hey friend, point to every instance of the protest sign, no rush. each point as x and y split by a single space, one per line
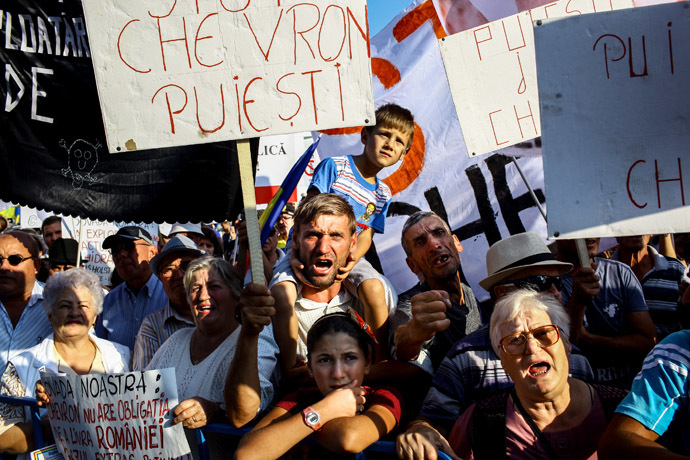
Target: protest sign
277 155
179 73
493 79
615 106
97 415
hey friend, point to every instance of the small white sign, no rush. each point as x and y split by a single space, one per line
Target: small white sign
493 78
179 73
615 100
94 415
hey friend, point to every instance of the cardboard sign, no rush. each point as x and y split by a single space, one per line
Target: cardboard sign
178 73
94 415
615 100
493 79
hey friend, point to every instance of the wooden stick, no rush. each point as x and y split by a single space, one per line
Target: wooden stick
582 253
244 158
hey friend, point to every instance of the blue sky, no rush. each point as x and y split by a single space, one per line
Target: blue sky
382 11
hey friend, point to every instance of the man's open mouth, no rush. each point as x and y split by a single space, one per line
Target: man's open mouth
440 259
323 266
539 369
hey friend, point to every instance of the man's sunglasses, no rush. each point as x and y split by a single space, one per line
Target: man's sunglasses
14 259
538 283
127 246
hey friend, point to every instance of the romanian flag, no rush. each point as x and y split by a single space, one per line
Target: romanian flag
275 207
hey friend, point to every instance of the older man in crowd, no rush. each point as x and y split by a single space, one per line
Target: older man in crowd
169 266
141 293
24 322
440 310
472 370
660 277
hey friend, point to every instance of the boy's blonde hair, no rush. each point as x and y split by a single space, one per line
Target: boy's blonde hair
394 116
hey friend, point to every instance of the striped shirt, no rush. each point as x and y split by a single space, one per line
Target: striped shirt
156 329
33 326
659 398
369 201
660 287
124 311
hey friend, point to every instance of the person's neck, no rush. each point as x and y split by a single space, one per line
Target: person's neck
452 286
565 410
366 169
68 346
182 310
137 284
323 295
15 306
640 261
203 343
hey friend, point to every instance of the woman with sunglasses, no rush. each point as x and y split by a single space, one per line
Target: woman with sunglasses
547 415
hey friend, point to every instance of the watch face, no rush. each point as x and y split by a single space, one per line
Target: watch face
313 418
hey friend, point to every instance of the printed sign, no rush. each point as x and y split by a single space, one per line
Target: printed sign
493 78
179 73
277 155
92 416
615 106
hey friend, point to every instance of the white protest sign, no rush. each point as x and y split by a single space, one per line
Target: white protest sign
178 73
93 416
493 78
277 155
615 98
99 260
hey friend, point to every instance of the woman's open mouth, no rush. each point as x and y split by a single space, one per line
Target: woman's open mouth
539 369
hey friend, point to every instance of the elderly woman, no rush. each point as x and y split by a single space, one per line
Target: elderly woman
547 414
209 381
72 299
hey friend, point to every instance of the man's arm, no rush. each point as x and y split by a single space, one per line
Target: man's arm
145 345
642 337
422 441
242 392
428 317
627 439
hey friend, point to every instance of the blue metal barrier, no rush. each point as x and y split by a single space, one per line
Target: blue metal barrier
35 416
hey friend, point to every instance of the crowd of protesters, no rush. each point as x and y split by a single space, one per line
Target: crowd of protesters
564 361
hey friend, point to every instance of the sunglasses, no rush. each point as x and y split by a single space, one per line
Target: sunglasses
128 246
545 337
15 259
538 283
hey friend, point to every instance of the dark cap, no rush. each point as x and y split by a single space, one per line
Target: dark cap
289 209
131 232
64 251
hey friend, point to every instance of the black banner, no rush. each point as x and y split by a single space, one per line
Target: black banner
53 153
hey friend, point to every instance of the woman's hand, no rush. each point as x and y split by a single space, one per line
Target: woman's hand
256 305
42 397
195 412
343 402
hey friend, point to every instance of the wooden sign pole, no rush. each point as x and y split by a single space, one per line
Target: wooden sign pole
249 198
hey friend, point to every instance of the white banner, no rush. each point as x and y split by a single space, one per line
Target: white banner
179 73
483 199
277 155
493 77
97 415
615 103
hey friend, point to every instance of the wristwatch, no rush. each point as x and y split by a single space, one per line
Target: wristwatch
311 418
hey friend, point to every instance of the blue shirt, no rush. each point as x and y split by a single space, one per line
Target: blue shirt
33 326
124 311
659 396
369 201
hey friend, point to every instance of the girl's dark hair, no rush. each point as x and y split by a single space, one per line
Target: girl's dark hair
339 322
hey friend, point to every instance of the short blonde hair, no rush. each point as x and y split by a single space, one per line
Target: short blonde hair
518 303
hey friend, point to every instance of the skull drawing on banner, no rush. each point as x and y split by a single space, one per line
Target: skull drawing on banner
82 159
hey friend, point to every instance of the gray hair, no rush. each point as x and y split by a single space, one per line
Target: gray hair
229 275
72 279
518 303
413 219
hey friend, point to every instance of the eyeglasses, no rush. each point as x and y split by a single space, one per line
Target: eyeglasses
15 259
126 246
169 270
538 283
545 336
